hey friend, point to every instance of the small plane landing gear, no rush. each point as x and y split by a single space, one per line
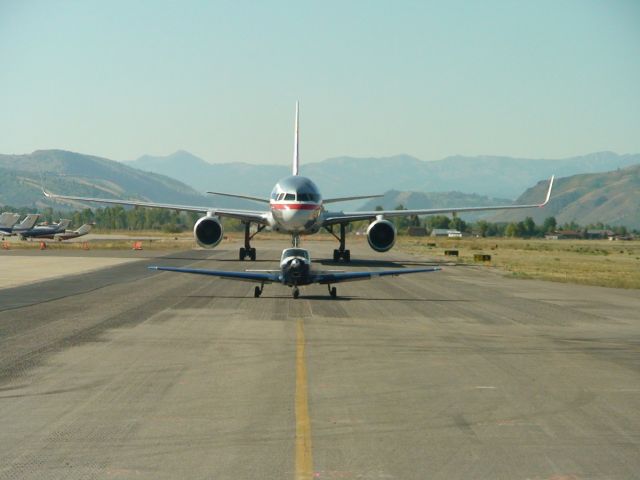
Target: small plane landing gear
296 292
342 252
332 291
257 291
247 251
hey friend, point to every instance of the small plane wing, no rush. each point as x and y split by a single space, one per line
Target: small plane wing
331 278
258 277
247 215
346 217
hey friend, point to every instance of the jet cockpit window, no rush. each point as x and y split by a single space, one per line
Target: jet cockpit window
308 197
290 196
280 196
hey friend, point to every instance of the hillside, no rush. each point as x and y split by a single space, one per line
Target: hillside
494 176
611 198
86 175
412 200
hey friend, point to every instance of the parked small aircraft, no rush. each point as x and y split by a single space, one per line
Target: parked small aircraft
297 208
295 271
69 234
45 231
25 225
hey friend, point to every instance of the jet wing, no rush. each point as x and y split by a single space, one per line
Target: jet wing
246 215
331 277
332 218
257 277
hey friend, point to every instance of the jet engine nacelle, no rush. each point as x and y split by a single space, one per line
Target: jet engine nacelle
208 232
381 235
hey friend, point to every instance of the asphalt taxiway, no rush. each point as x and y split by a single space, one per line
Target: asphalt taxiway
122 372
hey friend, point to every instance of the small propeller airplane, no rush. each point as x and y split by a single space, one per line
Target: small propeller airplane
295 271
8 226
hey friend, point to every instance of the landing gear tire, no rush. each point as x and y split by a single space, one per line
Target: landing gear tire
296 292
257 292
333 292
249 253
344 255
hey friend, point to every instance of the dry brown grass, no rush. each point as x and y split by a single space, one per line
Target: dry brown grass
590 262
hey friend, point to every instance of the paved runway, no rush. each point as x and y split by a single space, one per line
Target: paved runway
461 374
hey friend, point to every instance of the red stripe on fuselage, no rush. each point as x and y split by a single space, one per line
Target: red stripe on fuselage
295 206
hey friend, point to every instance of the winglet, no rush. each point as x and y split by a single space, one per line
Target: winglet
296 159
546 200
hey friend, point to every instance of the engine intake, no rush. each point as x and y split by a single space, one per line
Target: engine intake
381 235
208 232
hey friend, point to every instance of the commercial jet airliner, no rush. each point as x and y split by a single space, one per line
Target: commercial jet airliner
296 207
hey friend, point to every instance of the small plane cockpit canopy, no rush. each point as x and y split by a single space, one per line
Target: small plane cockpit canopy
295 252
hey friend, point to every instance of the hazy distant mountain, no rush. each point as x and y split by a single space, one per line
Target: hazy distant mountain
86 175
485 175
612 198
412 200
257 180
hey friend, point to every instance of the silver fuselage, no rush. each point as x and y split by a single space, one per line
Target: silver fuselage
296 206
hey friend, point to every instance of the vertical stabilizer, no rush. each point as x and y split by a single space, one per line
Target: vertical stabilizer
28 222
296 157
63 224
8 220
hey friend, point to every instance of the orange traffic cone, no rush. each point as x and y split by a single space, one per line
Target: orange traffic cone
84 246
43 245
137 245
5 246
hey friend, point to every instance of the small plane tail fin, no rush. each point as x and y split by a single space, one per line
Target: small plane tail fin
28 222
296 152
64 223
84 229
8 219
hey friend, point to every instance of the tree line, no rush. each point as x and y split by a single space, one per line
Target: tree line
171 221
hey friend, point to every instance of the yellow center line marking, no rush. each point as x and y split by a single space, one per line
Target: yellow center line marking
304 460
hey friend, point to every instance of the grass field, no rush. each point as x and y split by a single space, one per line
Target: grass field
589 262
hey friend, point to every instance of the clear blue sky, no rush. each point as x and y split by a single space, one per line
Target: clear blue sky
123 78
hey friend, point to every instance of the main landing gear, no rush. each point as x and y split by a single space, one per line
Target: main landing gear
247 251
342 252
332 291
258 291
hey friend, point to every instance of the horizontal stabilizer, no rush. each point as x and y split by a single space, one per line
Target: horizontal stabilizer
348 199
244 197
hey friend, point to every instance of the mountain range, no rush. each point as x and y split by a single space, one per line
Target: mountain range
494 176
21 177
609 197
